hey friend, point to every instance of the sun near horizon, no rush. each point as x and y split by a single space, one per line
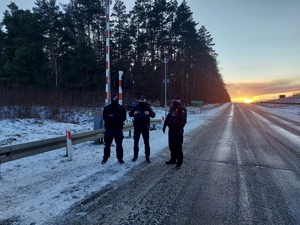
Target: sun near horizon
243 100
247 101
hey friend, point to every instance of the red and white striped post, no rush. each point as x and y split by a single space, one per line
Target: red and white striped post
107 65
69 143
120 88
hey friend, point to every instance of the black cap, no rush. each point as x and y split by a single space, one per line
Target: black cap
114 95
176 97
142 97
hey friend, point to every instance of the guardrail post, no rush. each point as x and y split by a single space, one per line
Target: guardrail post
69 143
98 124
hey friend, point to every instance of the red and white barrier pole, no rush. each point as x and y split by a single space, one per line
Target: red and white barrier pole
107 65
69 143
120 88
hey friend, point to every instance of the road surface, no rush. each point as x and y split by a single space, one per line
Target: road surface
241 168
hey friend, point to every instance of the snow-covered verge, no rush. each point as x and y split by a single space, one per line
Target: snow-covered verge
281 106
36 188
289 100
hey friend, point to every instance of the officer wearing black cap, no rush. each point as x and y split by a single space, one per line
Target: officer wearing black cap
176 120
114 116
141 114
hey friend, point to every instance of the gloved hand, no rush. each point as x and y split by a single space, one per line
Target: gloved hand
164 129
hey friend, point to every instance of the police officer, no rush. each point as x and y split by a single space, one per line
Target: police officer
141 114
114 116
176 120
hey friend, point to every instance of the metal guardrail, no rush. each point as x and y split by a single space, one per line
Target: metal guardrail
278 103
13 152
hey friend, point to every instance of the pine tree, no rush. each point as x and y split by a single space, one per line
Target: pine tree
82 64
50 20
120 40
23 50
139 33
185 39
3 59
161 20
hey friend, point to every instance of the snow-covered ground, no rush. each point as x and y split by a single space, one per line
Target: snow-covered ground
36 188
284 106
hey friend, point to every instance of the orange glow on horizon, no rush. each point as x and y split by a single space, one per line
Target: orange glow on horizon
260 91
260 98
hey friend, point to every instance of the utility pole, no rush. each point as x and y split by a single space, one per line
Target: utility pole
165 82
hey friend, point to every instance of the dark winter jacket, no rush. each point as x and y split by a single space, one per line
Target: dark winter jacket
114 116
176 118
140 118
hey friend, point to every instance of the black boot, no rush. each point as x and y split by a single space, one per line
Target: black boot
177 167
171 161
134 159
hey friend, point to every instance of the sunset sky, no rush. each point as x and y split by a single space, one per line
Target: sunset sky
257 41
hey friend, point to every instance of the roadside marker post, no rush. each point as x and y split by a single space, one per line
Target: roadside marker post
69 143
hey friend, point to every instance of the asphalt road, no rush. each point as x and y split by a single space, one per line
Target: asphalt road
241 168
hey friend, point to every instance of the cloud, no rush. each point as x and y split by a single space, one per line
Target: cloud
250 89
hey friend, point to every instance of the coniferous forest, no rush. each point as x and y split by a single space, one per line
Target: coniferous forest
56 53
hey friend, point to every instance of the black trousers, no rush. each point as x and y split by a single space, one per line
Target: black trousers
175 145
109 135
143 130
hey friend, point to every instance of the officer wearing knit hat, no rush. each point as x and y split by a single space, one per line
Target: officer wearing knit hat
141 114
114 116
175 121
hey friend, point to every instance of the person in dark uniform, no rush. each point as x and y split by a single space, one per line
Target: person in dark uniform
141 114
176 120
114 116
